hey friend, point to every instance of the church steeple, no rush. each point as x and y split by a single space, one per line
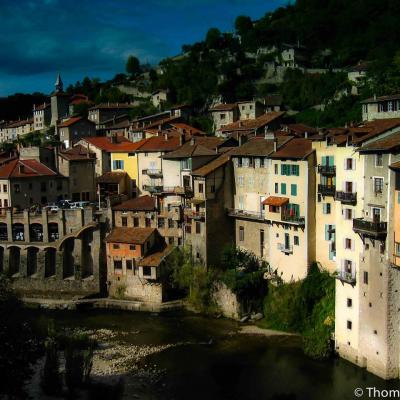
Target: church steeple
59 84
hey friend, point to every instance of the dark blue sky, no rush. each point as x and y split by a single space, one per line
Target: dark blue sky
38 38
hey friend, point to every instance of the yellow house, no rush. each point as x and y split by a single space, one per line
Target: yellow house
127 161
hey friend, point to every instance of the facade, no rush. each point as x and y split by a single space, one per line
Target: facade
224 114
107 111
158 97
24 183
250 109
73 129
79 167
41 116
381 107
59 103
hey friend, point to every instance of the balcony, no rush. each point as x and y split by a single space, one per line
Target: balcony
156 173
329 170
177 190
153 188
347 277
293 219
245 214
346 197
376 230
197 215
327 190
285 249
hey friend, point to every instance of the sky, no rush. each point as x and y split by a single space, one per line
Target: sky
77 38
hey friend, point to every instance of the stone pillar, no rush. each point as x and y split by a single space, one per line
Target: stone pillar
40 262
6 264
77 254
27 233
23 268
9 225
61 231
59 264
45 226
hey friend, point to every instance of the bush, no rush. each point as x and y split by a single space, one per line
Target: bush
50 378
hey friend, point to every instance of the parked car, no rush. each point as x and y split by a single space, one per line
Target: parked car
64 203
80 204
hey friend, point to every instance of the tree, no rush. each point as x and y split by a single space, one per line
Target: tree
133 66
243 24
213 38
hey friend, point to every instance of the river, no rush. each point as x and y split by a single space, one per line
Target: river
216 362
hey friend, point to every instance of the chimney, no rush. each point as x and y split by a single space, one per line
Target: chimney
192 141
21 168
275 144
166 136
113 139
306 134
182 139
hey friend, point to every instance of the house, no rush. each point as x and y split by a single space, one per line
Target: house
250 109
78 165
273 102
224 114
357 75
107 111
159 96
73 129
381 107
76 101
24 183
41 116
135 258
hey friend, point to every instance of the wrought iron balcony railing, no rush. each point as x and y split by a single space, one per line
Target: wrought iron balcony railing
327 169
377 230
346 197
327 190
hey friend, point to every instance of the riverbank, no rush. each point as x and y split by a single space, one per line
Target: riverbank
256 330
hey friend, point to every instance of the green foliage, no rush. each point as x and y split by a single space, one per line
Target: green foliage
120 291
133 66
213 38
306 307
243 24
18 344
202 122
144 108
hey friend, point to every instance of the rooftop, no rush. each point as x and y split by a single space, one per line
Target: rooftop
77 153
113 144
72 121
142 203
259 146
223 107
104 106
155 259
25 169
297 149
111 177
248 124
375 99
130 235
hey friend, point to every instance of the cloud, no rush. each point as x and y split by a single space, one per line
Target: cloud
94 37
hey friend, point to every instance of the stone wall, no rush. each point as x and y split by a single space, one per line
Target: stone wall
227 301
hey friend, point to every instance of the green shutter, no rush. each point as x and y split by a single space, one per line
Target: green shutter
283 188
293 189
283 169
296 170
323 160
326 232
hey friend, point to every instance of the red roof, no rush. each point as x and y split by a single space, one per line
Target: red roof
72 121
159 143
276 201
122 144
25 169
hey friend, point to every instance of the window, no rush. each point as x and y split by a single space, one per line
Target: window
5 203
129 265
349 164
124 221
115 246
135 222
198 227
222 116
241 234
170 223
201 188
118 164
365 277
161 222
276 169
17 188
349 325
240 181
326 208
347 243
5 188
296 240
329 232
118 265
378 160
277 188
378 185
146 271
349 302
147 222
293 190
283 188
212 188
132 247
43 187
348 213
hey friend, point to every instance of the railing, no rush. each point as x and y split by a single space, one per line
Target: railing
194 214
246 214
346 276
293 219
327 169
327 190
187 191
370 228
285 249
346 197
153 188
152 172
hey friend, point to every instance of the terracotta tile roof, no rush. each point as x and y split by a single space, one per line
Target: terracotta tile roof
130 235
105 143
155 259
361 66
248 124
223 107
112 106
395 166
25 169
42 107
158 144
16 124
213 165
275 201
381 98
77 153
186 128
297 148
111 177
142 203
259 146
197 146
72 121
300 128
388 143
374 128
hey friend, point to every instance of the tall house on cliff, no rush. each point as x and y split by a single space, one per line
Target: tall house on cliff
59 102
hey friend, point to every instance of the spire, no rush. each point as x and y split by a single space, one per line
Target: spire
59 84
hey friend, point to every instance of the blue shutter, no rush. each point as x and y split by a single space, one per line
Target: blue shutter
293 190
114 164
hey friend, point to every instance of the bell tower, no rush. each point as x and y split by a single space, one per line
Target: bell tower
59 102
